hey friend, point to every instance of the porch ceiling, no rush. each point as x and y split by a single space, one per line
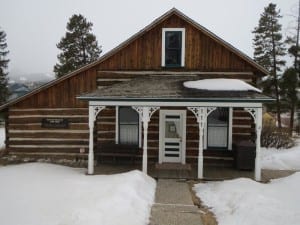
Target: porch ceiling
168 88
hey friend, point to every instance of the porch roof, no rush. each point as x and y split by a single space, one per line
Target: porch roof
168 88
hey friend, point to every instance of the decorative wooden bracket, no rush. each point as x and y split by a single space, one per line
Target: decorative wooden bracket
145 112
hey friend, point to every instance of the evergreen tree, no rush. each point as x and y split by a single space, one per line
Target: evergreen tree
288 87
268 51
290 79
3 67
79 46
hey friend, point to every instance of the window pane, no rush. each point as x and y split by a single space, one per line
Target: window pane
173 48
217 128
173 57
129 134
173 39
128 126
218 117
172 128
128 116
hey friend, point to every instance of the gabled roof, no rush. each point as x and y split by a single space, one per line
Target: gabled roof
168 14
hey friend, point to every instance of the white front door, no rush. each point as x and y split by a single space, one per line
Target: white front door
172 134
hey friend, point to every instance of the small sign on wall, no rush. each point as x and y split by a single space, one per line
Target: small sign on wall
55 123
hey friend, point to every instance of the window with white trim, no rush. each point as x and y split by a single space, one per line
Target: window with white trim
217 128
128 126
173 47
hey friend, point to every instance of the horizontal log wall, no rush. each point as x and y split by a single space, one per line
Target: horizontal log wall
26 134
243 127
105 128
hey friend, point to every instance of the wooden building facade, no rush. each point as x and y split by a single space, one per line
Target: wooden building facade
54 119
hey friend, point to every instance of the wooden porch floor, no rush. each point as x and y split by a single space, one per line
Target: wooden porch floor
188 171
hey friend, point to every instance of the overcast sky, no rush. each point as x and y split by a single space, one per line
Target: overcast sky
34 27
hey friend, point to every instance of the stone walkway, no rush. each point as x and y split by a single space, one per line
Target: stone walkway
173 204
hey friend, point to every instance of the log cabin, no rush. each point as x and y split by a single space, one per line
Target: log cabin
135 100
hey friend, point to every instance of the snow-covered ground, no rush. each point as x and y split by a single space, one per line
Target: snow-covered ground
2 137
45 194
282 159
244 201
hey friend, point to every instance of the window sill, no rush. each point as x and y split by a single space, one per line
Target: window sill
172 67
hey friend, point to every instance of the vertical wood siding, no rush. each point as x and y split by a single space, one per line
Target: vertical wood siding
63 94
201 52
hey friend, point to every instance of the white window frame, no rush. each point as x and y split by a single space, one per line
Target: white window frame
117 141
117 125
229 141
163 56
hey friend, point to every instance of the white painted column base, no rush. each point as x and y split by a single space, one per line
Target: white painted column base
256 113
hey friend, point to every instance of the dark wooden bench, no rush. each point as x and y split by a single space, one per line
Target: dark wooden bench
115 153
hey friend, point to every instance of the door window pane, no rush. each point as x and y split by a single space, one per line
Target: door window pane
172 129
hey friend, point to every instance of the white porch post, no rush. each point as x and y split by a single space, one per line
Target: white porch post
93 112
145 113
201 114
200 149
256 113
258 127
145 120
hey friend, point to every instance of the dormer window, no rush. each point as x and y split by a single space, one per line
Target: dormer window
173 47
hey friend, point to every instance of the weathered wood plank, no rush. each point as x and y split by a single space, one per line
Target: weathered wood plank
39 120
36 126
45 112
49 135
43 150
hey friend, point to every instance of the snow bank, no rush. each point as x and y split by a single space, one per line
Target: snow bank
220 84
244 201
2 137
281 159
50 194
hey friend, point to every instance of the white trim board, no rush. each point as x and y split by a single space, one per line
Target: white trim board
117 125
183 104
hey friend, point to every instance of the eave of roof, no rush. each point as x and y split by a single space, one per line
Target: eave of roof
169 89
256 100
128 41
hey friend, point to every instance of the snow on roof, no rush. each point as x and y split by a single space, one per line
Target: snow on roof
221 84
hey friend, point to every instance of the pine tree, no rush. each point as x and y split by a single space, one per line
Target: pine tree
79 46
288 87
290 79
3 67
269 50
